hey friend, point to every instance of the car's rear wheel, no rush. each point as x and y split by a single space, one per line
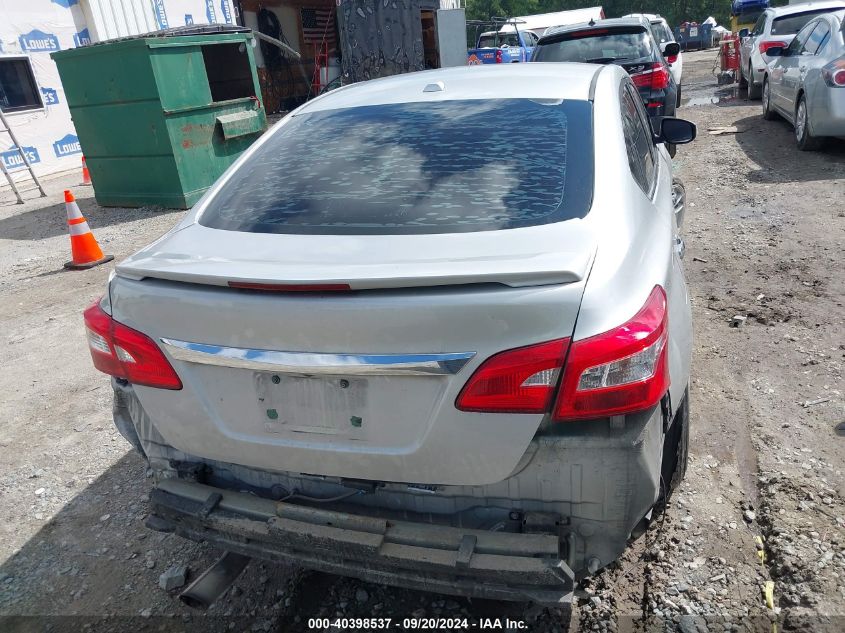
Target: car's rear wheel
806 141
754 90
768 112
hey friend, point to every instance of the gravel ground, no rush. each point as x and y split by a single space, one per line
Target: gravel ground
763 498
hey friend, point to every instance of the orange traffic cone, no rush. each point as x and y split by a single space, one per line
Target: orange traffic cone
86 252
86 175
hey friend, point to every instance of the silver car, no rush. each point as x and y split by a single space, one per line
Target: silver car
806 82
401 342
775 28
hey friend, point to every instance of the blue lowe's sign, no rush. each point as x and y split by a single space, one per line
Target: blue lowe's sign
161 14
209 11
67 146
39 42
67 4
227 12
189 19
82 38
12 158
50 96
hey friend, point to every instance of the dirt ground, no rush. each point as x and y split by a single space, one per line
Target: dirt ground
763 501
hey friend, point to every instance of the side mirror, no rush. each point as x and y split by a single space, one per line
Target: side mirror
671 49
776 51
743 33
675 131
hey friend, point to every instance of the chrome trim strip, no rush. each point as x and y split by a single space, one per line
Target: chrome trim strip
307 363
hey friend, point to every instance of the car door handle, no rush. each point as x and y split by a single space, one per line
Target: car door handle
680 247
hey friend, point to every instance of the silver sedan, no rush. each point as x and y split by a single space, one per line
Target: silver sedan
805 83
430 330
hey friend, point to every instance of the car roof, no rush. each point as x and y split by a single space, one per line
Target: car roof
569 81
654 18
597 24
779 12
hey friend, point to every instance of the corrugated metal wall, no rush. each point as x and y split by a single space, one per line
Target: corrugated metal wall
109 19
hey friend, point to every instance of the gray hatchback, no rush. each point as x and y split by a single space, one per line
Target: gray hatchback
399 341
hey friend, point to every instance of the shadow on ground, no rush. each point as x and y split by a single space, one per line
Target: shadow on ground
771 145
51 220
95 567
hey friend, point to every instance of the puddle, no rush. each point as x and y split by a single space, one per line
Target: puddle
729 95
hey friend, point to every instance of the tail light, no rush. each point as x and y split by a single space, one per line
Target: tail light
125 353
521 380
765 46
672 59
621 371
656 77
499 56
834 73
614 373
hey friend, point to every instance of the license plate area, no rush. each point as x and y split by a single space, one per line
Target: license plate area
324 405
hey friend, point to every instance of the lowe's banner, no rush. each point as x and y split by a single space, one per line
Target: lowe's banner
38 41
82 38
67 146
160 14
12 158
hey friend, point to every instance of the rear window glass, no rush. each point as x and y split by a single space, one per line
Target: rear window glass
599 46
444 167
791 24
491 41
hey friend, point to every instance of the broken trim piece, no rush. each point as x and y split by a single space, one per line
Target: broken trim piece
495 565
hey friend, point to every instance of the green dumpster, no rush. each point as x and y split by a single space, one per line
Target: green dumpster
160 116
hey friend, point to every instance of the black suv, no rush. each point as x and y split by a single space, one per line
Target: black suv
627 42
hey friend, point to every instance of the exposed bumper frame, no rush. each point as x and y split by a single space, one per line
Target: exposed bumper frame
493 565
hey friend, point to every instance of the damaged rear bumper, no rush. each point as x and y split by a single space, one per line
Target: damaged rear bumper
443 559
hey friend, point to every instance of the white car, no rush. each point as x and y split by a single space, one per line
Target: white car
775 27
663 35
428 352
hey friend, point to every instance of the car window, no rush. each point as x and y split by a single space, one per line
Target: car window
799 40
790 24
638 138
404 168
597 46
818 38
504 39
759 26
661 33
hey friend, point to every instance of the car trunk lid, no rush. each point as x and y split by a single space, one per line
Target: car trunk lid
358 384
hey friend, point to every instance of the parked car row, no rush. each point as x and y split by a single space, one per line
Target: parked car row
429 352
794 59
643 44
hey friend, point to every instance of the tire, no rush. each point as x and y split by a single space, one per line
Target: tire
806 141
768 113
673 468
678 104
754 90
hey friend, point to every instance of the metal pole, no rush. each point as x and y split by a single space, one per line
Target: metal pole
23 155
11 181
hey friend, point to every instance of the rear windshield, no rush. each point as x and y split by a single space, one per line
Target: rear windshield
491 41
791 24
444 167
597 46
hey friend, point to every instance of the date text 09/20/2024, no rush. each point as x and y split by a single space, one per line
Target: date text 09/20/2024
416 623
